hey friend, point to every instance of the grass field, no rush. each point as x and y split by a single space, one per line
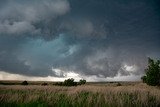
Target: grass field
90 95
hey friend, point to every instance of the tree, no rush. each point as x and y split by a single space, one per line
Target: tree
152 76
82 81
69 82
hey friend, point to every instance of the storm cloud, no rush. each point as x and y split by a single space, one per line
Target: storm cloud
101 38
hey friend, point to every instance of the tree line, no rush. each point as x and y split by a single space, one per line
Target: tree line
67 82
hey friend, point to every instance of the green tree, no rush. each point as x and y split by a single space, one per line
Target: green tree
82 81
152 76
69 82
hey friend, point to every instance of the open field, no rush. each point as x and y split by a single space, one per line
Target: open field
130 94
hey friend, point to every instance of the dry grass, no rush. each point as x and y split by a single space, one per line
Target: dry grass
138 94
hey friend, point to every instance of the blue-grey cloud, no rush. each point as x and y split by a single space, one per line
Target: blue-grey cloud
89 37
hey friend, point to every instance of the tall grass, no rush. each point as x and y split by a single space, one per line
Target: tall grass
139 95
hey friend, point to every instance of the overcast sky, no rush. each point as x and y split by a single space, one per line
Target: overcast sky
98 40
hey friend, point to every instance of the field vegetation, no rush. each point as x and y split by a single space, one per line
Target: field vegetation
113 94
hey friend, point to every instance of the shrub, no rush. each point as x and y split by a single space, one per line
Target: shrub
119 84
44 84
152 76
58 83
24 83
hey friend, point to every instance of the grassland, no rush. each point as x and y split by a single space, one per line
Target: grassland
89 95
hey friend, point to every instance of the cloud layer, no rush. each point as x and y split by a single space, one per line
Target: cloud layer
94 37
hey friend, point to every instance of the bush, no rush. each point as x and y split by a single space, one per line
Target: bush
44 84
24 83
152 76
119 84
59 83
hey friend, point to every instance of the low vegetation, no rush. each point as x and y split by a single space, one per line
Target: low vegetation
111 95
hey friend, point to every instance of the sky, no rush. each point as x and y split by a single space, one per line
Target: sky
96 40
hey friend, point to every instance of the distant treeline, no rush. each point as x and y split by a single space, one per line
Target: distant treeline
67 82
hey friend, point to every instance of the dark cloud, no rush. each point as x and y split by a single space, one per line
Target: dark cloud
89 37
